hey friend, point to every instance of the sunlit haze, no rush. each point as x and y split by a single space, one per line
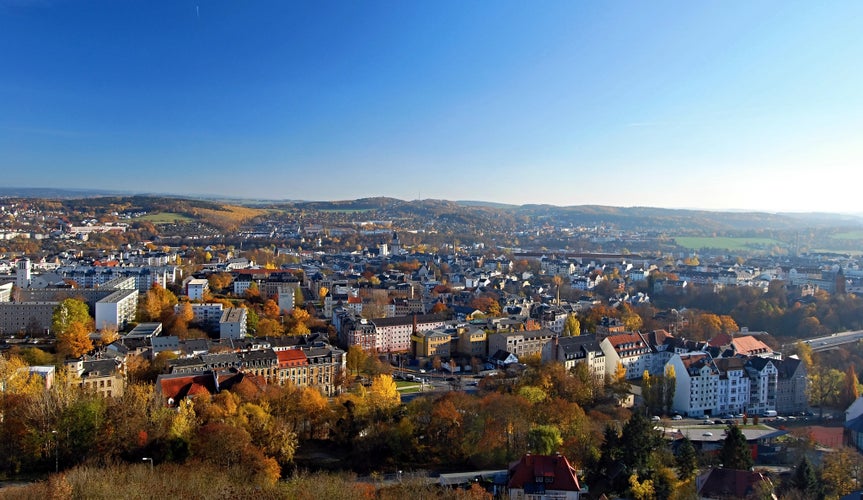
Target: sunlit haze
717 105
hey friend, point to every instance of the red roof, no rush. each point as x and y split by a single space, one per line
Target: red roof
556 473
291 357
750 346
729 483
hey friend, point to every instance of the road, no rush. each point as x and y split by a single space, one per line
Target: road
834 340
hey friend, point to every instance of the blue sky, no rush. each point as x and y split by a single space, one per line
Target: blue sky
718 105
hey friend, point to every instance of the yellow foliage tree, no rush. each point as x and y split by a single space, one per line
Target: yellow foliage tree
15 377
383 393
75 341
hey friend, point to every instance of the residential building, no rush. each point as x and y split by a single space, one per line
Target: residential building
577 349
432 343
471 341
525 343
232 324
543 477
206 315
197 288
792 386
117 310
763 379
631 350
104 377
731 483
696 388
394 334
26 317
732 390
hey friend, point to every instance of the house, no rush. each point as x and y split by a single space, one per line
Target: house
432 343
104 377
577 349
792 387
730 483
502 358
526 343
541 477
631 350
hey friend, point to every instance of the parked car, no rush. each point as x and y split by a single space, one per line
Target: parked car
676 417
656 418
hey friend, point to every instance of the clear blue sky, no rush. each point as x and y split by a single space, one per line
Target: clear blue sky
741 105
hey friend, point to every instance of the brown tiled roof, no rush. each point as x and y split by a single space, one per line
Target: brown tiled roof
729 483
555 470
749 345
291 357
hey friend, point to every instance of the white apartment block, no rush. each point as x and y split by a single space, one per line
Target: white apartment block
630 350
232 325
197 288
394 334
208 314
763 380
697 386
733 388
117 309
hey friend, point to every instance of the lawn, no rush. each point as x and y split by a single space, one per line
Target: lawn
165 218
848 235
726 243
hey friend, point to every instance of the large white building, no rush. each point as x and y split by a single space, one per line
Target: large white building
232 325
631 350
197 288
117 309
697 386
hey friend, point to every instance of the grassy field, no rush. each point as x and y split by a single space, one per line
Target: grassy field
727 243
848 235
165 218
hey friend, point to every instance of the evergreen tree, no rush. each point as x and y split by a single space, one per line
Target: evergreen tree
805 479
687 459
735 452
639 439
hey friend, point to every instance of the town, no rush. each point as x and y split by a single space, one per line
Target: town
464 350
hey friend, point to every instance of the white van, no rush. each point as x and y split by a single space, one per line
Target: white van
770 413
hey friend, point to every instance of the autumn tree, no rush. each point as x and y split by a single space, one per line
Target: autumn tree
355 359
850 388
571 326
74 341
544 439
69 312
271 309
270 328
298 321
219 281
157 304
840 471
825 384
488 305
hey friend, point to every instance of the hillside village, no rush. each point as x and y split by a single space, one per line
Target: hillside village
394 320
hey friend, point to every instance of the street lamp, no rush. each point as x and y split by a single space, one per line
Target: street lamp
56 452
148 459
